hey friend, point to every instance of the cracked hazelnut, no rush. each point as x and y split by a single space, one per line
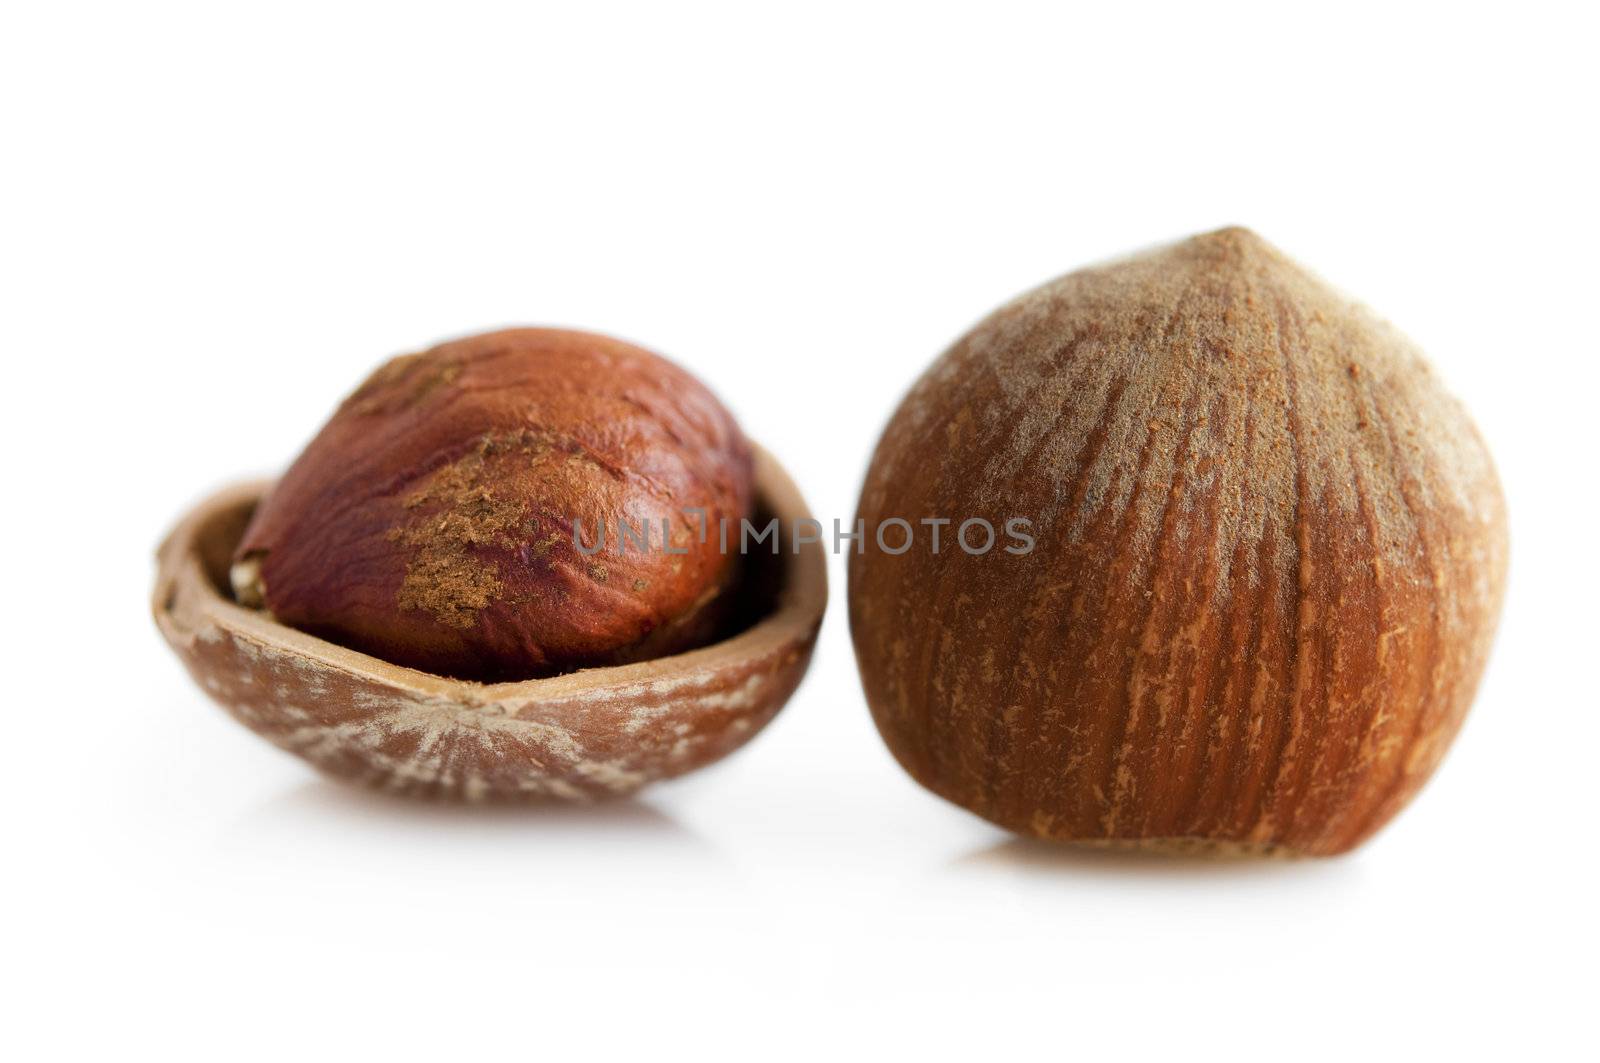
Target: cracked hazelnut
1270 557
409 607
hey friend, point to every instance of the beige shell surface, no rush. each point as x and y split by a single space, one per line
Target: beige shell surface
585 735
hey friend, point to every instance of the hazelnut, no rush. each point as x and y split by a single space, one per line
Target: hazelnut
423 544
1269 554
431 521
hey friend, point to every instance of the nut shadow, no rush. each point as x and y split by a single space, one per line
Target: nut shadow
1033 856
325 799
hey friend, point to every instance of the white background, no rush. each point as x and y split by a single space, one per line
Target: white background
217 218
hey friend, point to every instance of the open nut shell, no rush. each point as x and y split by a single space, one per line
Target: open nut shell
594 733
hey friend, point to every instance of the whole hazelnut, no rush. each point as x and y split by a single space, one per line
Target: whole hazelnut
1268 558
444 517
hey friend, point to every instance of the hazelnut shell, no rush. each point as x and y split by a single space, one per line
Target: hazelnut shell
1270 554
594 733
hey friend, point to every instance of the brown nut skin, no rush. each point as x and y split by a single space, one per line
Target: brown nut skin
1270 554
430 522
592 734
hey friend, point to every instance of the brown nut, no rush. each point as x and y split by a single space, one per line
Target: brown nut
593 733
1268 563
431 520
